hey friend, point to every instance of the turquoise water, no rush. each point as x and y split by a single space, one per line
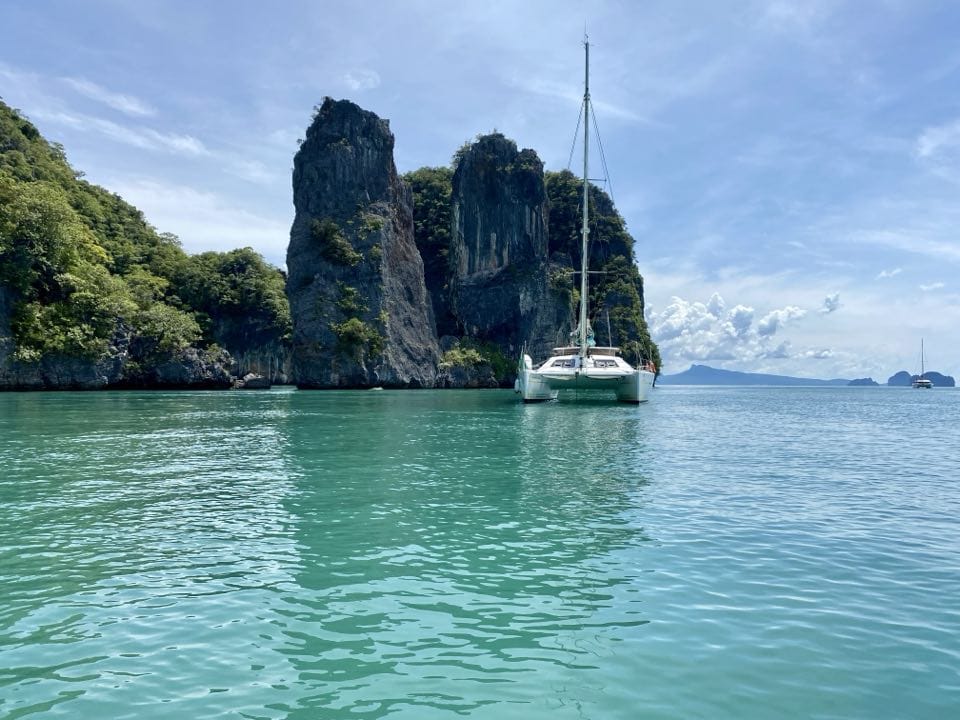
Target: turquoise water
716 553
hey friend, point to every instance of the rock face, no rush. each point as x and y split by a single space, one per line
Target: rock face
500 289
252 381
269 361
188 369
361 314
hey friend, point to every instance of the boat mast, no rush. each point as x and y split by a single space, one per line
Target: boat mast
921 359
586 226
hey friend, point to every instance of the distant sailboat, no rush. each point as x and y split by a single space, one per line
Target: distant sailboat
584 365
920 381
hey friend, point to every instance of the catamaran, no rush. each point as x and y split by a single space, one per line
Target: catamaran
920 381
583 365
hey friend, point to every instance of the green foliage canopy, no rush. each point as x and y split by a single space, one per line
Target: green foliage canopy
83 267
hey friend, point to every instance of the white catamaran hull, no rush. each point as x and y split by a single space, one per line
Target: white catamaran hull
545 383
584 365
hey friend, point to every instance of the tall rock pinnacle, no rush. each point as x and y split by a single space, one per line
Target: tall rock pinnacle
498 250
360 309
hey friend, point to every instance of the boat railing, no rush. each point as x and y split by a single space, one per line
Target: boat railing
575 350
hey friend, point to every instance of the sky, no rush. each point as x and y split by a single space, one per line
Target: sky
790 171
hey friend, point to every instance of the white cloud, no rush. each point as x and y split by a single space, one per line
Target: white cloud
716 305
780 352
907 240
253 171
775 319
830 303
203 220
572 95
362 79
786 15
285 137
693 331
932 286
124 103
889 273
144 138
739 320
934 140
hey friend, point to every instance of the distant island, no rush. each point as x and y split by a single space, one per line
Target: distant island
905 379
706 375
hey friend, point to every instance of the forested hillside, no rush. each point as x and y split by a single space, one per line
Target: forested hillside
85 279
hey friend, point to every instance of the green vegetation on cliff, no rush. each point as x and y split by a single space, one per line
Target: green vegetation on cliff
238 299
432 188
84 270
334 247
358 339
616 296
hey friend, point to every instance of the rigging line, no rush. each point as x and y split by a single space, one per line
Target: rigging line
576 134
603 157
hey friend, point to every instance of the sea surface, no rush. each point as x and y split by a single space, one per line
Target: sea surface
715 553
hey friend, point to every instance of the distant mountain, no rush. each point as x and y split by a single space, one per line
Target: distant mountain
863 382
705 375
905 379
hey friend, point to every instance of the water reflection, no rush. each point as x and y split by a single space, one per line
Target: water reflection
292 554
461 543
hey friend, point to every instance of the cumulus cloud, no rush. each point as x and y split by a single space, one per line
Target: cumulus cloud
932 286
695 331
716 305
204 220
775 319
889 273
739 320
779 352
830 303
126 104
361 79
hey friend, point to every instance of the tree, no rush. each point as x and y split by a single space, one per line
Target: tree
432 188
239 299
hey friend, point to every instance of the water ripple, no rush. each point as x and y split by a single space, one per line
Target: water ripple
716 553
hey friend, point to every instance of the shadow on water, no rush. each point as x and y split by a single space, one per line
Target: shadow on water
460 549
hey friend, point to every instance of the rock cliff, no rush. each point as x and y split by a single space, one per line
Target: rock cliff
360 309
500 279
